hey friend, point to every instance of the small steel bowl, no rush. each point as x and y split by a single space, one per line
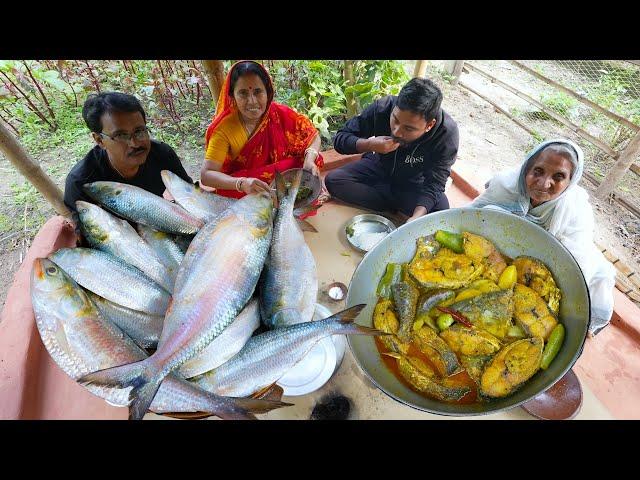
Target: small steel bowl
308 180
361 227
336 291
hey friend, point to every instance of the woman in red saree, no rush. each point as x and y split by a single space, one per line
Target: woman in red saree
251 136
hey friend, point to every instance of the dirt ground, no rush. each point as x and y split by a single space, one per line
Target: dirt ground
489 142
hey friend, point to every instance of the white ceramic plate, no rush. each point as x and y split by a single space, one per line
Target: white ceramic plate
317 367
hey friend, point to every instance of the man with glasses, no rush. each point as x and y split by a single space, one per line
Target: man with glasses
124 151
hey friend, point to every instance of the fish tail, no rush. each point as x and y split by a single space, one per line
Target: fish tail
281 186
144 380
345 322
296 180
306 226
245 408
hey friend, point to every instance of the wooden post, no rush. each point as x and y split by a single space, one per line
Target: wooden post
626 158
350 81
457 71
28 167
214 70
420 69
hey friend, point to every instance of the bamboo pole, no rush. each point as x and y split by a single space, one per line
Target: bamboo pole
627 157
31 170
578 97
457 71
420 68
350 81
601 145
214 70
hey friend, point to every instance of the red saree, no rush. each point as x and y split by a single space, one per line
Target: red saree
278 143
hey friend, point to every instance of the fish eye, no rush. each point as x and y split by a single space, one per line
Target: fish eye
51 270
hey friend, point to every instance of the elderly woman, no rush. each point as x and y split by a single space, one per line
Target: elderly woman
251 136
545 191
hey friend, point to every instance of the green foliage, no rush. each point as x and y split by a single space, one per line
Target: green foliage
559 102
24 193
318 88
5 223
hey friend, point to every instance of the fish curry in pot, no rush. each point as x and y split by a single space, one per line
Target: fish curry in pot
465 323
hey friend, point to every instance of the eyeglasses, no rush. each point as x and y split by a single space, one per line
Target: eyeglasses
138 134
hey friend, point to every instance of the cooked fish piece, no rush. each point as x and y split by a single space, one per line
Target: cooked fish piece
405 299
482 251
470 341
535 275
433 266
385 320
531 313
423 378
511 367
437 351
490 311
475 365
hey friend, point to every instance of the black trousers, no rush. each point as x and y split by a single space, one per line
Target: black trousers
366 184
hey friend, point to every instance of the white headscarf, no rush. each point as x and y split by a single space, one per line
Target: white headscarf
568 217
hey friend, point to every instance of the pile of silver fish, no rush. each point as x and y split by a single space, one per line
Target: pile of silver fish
189 309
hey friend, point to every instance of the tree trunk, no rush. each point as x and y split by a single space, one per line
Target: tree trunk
350 81
214 70
626 158
28 167
421 68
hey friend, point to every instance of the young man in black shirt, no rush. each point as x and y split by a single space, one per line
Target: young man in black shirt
124 151
409 144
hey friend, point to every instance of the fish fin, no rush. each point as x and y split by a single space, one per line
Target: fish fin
166 178
270 392
350 328
346 325
236 409
145 384
306 226
187 415
281 186
348 315
300 211
251 406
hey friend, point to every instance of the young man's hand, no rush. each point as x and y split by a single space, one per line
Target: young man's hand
419 211
382 144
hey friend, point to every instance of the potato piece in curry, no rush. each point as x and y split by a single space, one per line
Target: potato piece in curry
511 367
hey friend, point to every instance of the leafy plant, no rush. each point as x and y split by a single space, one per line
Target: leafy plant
559 102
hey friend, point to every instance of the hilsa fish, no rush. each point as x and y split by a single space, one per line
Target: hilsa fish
216 280
81 340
